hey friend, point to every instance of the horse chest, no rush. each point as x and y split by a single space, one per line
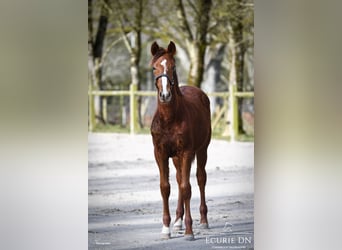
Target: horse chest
170 141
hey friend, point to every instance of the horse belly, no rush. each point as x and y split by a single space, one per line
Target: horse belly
199 129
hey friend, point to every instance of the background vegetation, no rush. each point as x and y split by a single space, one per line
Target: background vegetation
214 39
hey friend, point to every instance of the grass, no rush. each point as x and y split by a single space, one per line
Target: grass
107 128
245 138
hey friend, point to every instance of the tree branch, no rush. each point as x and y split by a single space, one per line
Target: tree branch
90 22
121 20
108 49
183 20
194 8
107 6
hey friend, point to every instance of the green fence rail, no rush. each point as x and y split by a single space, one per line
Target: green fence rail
232 97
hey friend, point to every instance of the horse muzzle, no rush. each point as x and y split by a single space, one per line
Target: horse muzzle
165 97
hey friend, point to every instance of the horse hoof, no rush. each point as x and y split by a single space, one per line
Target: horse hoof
165 236
165 233
177 226
204 226
189 237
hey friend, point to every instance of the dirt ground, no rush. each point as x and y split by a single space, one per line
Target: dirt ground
125 205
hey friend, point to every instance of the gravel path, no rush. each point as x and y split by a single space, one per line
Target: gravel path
125 205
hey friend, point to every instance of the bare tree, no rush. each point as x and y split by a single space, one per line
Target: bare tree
95 48
232 24
197 26
195 38
186 22
128 16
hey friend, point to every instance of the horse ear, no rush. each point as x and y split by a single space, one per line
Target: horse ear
171 48
154 48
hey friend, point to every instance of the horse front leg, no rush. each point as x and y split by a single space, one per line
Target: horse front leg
177 226
185 189
163 165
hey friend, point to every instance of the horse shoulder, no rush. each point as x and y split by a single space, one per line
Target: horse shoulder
155 125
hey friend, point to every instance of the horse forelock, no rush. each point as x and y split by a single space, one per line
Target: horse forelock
160 52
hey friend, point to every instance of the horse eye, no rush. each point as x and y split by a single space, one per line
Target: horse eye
153 68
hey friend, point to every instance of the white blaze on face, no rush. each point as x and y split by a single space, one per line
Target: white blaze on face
164 79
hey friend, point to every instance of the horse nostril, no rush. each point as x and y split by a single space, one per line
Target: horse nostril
164 96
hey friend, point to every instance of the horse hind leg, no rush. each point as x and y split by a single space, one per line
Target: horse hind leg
202 180
185 189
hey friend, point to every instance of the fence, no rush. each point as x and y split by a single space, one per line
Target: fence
232 97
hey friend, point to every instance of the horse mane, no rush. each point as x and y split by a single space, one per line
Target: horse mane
177 85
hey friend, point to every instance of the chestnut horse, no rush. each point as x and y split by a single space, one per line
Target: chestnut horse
181 129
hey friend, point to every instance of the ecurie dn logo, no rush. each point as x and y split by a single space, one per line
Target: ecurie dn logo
228 239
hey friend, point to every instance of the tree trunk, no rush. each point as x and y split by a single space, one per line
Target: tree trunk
239 66
134 69
196 43
93 79
132 40
232 83
213 73
232 71
135 77
237 53
196 54
240 54
136 58
95 54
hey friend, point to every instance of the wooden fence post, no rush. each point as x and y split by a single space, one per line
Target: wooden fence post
133 108
91 109
104 109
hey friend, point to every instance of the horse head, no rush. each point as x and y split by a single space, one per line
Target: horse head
164 70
